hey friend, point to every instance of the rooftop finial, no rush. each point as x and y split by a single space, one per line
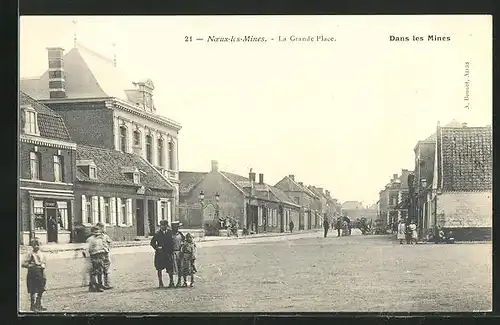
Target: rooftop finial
114 55
74 33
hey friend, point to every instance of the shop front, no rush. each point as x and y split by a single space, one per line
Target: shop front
49 217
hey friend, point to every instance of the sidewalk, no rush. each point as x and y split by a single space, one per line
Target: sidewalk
57 248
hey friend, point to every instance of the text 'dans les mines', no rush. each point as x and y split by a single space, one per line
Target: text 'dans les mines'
417 38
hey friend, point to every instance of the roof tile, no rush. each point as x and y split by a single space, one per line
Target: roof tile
50 124
467 155
108 163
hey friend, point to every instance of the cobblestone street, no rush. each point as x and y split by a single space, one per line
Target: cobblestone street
356 273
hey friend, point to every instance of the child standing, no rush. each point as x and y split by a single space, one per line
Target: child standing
107 256
35 261
188 257
97 254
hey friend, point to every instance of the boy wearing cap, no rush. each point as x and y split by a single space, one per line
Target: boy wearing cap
97 253
174 267
106 258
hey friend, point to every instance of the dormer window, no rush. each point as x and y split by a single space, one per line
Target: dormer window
136 178
88 167
30 120
133 174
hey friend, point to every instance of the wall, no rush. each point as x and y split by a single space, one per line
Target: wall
88 123
465 209
116 233
47 162
231 200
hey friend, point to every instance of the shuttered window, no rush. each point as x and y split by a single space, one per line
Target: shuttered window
112 209
129 212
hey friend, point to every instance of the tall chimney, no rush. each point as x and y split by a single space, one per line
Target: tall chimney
251 176
261 178
292 177
464 125
394 176
327 192
301 183
320 189
57 82
215 166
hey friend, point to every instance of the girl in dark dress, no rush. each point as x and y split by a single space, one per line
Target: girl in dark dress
35 261
188 257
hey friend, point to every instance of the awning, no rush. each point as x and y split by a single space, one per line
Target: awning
51 195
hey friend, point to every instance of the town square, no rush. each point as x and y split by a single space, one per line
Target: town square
150 185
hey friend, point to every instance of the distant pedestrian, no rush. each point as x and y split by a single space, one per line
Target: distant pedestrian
326 226
413 233
160 241
401 231
35 261
408 233
291 225
338 225
188 257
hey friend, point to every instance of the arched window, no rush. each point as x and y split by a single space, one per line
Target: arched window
170 155
137 138
160 152
123 138
149 147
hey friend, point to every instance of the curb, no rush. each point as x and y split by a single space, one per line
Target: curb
23 249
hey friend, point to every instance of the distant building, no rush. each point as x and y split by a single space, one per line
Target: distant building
394 199
302 196
356 209
256 205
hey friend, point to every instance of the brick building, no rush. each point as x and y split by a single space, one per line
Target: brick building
103 108
47 159
122 190
302 196
256 205
460 198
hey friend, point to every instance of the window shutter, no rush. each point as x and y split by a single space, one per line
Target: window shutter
158 213
84 209
101 208
169 212
112 210
119 216
129 212
95 209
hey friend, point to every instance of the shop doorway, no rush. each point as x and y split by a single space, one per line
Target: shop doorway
139 212
151 216
51 214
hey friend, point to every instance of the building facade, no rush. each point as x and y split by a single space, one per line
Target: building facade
254 204
123 191
460 195
102 109
302 196
47 159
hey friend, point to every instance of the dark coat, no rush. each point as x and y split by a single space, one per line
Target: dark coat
326 225
163 240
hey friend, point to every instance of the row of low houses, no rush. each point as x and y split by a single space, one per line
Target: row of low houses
93 149
254 204
451 186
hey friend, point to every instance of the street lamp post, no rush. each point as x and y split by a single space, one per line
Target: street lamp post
202 198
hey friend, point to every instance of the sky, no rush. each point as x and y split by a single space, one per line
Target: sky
343 115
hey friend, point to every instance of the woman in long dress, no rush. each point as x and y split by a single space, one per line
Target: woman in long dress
401 231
